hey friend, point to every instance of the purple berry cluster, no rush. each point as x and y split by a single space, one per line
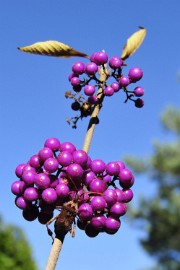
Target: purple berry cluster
90 83
59 173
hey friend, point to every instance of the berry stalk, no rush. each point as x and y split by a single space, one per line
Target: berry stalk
94 116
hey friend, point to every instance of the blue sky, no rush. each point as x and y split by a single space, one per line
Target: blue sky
33 107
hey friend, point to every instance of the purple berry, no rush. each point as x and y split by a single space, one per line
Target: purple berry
108 91
35 161
139 91
98 203
126 178
98 185
118 209
75 81
88 177
98 166
80 157
68 146
18 187
89 90
78 68
45 153
51 165
100 58
110 196
119 194
22 203
115 62
85 211
65 158
19 170
127 195
74 171
31 194
91 68
135 74
112 168
71 76
42 181
28 177
98 222
53 144
62 190
49 195
115 86
124 81
112 225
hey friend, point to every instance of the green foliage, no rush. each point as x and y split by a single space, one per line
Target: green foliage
160 215
15 252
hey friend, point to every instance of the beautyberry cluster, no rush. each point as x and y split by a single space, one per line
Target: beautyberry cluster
59 173
90 83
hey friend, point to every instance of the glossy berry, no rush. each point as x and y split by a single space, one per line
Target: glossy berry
42 181
127 195
19 170
112 225
98 203
108 91
45 153
98 166
93 99
112 168
91 68
139 91
115 86
51 165
110 196
49 195
31 194
98 185
126 178
135 74
68 146
98 222
75 81
80 157
74 171
62 190
100 58
35 161
28 177
53 144
65 158
18 187
118 209
85 211
115 62
21 203
124 81
78 68
89 90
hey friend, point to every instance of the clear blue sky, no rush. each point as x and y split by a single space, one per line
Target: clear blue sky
33 107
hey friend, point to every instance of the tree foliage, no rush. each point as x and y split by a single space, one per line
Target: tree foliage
160 214
15 252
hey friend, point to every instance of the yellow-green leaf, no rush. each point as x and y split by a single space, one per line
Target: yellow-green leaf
52 48
133 43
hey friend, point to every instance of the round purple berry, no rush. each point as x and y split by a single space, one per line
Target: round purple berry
115 86
31 194
53 144
135 74
98 203
112 168
45 153
49 195
85 211
91 68
100 58
68 146
65 158
112 225
124 81
115 62
98 165
75 81
98 185
62 190
118 209
78 68
108 91
89 90
42 181
51 165
139 91
18 187
126 178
